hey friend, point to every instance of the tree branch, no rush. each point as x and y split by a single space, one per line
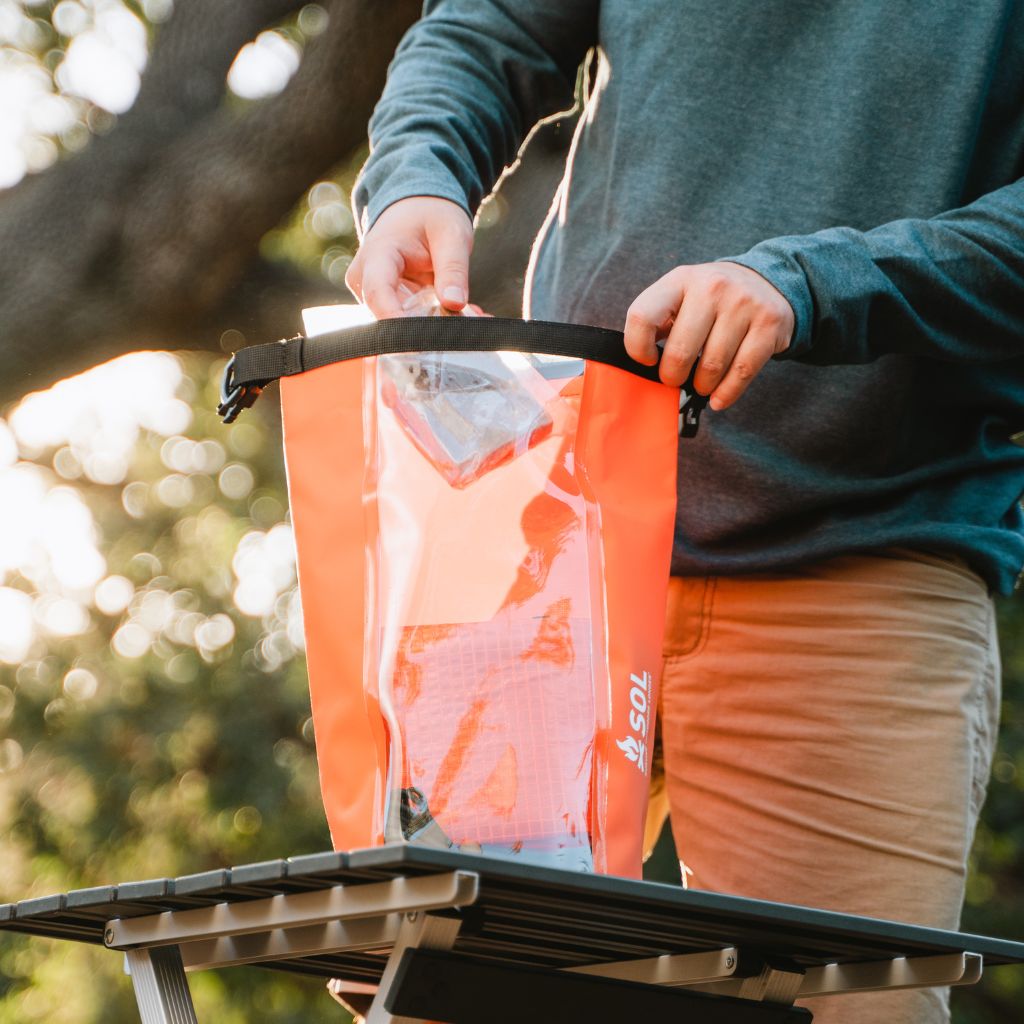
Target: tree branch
141 240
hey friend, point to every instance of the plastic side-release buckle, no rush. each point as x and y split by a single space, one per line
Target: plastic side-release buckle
235 397
691 404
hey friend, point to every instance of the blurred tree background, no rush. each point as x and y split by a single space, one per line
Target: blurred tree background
174 177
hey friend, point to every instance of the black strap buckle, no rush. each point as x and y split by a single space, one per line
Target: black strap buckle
691 405
235 397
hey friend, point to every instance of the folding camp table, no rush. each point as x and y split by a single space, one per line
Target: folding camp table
447 936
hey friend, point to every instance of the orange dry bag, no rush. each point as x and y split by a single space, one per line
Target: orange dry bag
483 514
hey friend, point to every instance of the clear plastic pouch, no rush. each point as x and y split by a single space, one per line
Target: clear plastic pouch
480 647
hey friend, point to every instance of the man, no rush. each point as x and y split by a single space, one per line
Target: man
822 200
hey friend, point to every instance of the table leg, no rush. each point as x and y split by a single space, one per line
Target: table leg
161 989
418 931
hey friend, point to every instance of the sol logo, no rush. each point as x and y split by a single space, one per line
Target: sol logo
635 745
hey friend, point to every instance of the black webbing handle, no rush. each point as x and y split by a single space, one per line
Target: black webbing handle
252 369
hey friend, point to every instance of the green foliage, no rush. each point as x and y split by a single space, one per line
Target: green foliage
159 723
995 887
171 736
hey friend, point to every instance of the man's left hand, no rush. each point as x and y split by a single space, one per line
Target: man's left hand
728 314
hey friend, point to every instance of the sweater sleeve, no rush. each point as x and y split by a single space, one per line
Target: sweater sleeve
468 82
950 287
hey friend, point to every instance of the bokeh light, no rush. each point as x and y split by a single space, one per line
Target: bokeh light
265 567
148 724
106 56
68 70
16 625
264 66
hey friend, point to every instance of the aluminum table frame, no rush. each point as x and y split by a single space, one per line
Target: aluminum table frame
455 937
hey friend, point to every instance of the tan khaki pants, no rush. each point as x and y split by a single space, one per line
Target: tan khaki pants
828 735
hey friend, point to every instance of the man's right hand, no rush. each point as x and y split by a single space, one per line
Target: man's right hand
414 243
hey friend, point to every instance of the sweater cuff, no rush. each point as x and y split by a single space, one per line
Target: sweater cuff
370 199
783 271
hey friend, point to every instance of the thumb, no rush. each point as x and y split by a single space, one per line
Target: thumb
449 252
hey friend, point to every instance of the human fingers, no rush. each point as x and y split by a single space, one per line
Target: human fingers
758 346
651 315
727 332
712 308
354 276
396 256
686 339
750 315
379 282
451 241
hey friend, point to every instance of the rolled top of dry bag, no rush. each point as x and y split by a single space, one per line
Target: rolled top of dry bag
251 369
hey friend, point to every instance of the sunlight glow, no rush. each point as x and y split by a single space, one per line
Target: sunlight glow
98 414
29 109
16 626
264 564
264 67
114 594
60 616
100 55
48 535
321 319
104 63
80 684
8 447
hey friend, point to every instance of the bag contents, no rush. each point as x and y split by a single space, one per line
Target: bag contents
481 655
467 412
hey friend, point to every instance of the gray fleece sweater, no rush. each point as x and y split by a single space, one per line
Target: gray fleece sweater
865 156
